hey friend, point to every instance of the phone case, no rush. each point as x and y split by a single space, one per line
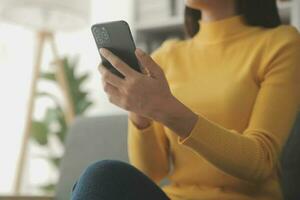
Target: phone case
116 37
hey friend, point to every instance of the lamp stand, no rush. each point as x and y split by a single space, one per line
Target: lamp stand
60 75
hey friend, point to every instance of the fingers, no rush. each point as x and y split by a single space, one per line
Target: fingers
114 94
110 77
120 65
110 90
148 63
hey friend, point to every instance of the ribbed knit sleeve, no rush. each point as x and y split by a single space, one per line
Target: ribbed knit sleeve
148 150
253 154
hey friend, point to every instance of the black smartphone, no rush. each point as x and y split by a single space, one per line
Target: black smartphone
116 37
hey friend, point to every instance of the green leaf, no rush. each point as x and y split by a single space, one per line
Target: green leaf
81 95
82 106
48 95
61 118
39 132
48 76
62 135
57 115
52 115
69 70
48 187
55 161
83 78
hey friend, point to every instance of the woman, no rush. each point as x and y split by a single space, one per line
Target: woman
219 104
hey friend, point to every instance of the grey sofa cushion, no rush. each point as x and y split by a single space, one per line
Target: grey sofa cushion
89 140
290 162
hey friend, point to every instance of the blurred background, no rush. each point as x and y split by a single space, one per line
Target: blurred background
55 38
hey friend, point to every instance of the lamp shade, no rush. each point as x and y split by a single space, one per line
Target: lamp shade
47 15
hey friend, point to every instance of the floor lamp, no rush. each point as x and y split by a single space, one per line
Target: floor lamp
44 17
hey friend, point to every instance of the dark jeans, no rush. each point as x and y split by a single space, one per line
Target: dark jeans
115 180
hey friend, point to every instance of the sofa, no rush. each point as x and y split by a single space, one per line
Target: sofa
105 137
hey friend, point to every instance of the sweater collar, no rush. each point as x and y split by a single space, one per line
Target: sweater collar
220 30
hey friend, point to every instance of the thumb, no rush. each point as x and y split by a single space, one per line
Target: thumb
148 63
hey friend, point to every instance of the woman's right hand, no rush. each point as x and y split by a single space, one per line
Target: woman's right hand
140 121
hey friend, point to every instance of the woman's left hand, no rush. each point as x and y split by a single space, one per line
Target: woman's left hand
146 94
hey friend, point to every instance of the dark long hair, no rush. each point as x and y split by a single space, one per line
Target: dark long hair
262 13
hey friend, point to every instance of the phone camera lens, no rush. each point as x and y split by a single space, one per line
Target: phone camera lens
96 30
104 33
101 35
100 40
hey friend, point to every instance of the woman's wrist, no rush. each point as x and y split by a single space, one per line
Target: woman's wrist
178 117
139 121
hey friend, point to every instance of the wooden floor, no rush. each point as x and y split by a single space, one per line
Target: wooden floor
26 198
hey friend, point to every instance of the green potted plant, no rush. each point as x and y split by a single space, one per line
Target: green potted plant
54 123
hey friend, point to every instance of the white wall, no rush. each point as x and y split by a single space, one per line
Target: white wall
16 60
82 42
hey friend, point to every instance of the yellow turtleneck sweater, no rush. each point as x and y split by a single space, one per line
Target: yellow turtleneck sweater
243 82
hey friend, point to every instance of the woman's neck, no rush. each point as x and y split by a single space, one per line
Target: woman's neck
219 12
